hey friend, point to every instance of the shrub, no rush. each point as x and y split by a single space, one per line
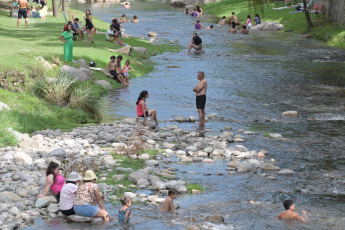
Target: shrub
84 100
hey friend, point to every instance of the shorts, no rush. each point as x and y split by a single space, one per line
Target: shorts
68 212
126 74
86 210
57 196
235 24
199 47
22 13
74 32
43 3
249 25
89 26
147 114
200 102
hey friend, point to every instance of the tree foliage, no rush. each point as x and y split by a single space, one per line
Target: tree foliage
259 5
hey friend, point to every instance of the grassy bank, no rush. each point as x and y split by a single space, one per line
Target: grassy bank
330 33
19 47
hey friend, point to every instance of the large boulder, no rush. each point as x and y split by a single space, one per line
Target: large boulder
141 50
80 75
104 84
274 26
124 50
269 167
22 158
152 34
135 176
243 167
3 106
79 219
27 143
7 197
178 185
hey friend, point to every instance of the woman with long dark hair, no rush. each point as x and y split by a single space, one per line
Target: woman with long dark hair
257 19
67 38
89 25
54 181
142 110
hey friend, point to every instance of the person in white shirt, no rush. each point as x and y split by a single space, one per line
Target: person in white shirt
68 193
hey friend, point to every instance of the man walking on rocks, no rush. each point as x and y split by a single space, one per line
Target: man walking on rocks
200 91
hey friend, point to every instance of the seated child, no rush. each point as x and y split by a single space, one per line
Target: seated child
168 205
125 71
289 214
125 213
111 68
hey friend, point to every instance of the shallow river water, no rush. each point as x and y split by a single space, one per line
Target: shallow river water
252 79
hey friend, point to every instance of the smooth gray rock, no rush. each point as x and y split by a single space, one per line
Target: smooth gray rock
274 26
215 219
59 152
243 167
269 167
53 208
178 185
78 74
79 219
286 172
104 84
143 182
3 106
135 176
22 158
141 50
40 203
119 177
152 163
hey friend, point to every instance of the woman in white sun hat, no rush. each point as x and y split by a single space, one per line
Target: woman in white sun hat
68 194
87 198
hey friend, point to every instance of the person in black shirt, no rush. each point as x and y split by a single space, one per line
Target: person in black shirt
196 43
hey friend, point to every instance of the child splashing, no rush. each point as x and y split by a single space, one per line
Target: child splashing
125 213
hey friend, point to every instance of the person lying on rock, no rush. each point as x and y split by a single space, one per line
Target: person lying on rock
87 196
54 181
168 204
289 214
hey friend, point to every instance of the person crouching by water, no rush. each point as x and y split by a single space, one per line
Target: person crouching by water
200 91
289 214
196 43
54 181
125 213
143 111
67 38
68 193
87 196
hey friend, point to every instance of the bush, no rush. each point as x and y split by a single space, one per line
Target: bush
84 100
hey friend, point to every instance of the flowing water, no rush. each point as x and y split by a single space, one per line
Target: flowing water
252 79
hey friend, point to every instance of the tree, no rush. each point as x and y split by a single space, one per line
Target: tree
307 16
64 7
259 5
55 8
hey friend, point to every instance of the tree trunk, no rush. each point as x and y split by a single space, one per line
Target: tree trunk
307 16
64 6
55 8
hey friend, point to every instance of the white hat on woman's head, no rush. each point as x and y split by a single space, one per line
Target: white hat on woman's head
73 176
89 175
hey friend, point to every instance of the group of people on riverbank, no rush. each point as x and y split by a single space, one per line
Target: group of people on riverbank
77 195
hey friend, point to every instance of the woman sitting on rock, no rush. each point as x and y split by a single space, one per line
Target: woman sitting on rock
87 197
68 192
143 111
54 180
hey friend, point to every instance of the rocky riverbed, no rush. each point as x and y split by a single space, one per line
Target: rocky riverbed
23 167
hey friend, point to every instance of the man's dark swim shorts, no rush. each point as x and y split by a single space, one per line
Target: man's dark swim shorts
22 13
200 102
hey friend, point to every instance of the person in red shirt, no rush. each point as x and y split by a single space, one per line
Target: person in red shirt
143 111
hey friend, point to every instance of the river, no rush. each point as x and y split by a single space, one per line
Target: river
252 79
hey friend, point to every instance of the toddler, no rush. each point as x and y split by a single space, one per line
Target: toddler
125 71
125 213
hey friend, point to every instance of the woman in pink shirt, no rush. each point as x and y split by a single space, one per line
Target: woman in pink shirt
142 110
54 181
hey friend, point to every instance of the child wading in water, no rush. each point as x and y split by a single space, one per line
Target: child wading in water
125 213
168 205
289 214
125 71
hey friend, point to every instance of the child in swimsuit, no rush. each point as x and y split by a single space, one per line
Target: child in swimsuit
198 25
125 71
125 213
112 68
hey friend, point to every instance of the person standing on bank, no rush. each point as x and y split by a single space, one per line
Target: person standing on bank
142 110
67 38
23 12
200 91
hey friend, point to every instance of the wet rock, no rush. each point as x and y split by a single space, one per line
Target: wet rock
152 34
261 155
152 163
290 114
135 176
207 160
269 167
141 50
307 36
130 195
233 164
40 203
239 140
275 135
195 191
215 219
273 26
22 158
243 167
286 172
79 219
248 133
172 66
104 84
192 119
192 227
180 119
3 106
53 208
178 185
154 41
143 182
254 162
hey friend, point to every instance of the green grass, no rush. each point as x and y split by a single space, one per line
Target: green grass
191 186
330 33
20 47
151 152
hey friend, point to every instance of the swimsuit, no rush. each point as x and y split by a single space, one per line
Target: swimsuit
22 12
122 215
125 71
198 26
88 24
200 101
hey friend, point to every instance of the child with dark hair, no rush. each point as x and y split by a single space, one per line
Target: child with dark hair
125 213
168 204
289 214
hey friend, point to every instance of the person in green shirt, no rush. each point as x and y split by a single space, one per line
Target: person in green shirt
67 38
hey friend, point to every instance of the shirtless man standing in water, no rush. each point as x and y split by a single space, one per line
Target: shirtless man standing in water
234 19
23 12
200 90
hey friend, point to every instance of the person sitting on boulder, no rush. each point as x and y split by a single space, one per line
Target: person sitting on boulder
88 196
111 70
143 111
68 192
54 181
196 43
